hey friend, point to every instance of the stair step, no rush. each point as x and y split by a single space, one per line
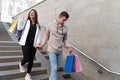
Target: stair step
61 69
6 38
38 77
47 57
11 58
69 79
66 76
10 48
15 65
13 74
8 43
11 53
43 52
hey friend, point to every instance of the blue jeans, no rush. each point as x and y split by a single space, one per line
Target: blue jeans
55 60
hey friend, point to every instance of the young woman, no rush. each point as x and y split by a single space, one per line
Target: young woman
29 41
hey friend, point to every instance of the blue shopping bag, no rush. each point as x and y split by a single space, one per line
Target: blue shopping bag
18 32
70 63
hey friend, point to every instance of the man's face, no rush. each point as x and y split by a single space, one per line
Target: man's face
62 20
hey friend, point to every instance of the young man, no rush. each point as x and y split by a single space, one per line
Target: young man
56 37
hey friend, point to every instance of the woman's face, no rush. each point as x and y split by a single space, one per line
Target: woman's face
32 15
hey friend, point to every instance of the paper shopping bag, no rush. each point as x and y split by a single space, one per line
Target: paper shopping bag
13 27
78 66
70 63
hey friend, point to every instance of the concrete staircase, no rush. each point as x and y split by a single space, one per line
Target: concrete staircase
3 34
10 57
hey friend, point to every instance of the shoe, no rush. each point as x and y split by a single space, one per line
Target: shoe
50 78
22 68
28 77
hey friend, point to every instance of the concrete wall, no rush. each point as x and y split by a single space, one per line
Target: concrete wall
0 6
94 28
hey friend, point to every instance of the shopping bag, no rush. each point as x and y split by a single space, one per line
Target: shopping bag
21 23
18 32
78 66
13 27
20 27
70 63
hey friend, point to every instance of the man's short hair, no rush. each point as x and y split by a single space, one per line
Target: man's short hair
64 13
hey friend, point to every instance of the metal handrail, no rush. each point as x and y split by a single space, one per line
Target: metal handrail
94 61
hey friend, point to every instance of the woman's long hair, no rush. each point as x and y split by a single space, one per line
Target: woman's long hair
36 17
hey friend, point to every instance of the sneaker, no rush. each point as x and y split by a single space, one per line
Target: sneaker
28 77
50 78
22 68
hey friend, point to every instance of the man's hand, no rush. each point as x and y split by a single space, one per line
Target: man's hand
70 49
40 46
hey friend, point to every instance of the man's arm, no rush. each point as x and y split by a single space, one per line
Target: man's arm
46 36
66 44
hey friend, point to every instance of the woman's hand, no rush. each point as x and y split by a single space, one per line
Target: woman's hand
37 45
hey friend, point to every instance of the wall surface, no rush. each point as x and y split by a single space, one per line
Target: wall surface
94 28
0 6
